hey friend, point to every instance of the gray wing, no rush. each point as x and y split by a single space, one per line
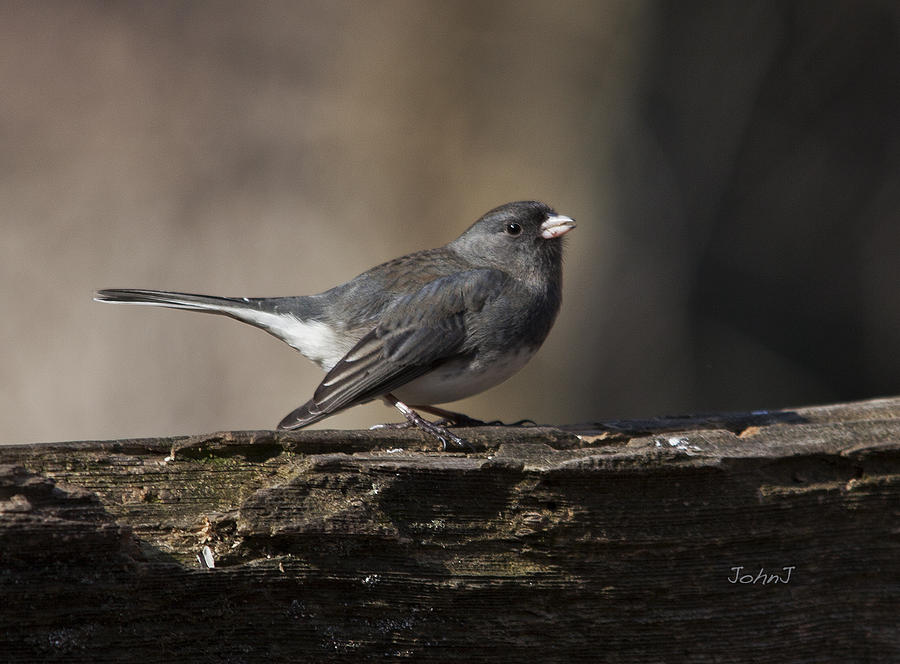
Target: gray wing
414 335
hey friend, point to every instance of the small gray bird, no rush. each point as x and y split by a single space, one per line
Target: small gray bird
428 328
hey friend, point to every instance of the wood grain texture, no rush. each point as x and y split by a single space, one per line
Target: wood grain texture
610 541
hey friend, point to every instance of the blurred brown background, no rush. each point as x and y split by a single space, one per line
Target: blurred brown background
733 168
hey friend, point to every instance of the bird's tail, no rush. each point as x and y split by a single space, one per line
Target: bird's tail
282 317
209 303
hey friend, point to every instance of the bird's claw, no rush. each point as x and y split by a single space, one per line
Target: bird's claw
466 421
392 425
435 429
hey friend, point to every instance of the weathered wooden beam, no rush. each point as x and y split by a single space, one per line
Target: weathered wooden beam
765 537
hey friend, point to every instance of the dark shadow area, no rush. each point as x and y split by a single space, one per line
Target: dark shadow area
771 159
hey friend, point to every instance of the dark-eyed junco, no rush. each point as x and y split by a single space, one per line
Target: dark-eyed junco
423 329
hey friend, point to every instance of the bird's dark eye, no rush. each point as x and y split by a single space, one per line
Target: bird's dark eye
513 229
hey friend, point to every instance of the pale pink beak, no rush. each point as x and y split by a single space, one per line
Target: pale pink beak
556 225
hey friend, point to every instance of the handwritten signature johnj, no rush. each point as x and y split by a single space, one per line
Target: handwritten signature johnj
762 577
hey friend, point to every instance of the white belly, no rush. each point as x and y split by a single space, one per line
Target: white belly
458 380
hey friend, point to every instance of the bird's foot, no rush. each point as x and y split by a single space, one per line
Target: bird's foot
518 423
450 418
447 438
393 425
413 419
433 428
460 420
471 422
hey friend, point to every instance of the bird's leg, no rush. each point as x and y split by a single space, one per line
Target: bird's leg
406 424
413 418
449 418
